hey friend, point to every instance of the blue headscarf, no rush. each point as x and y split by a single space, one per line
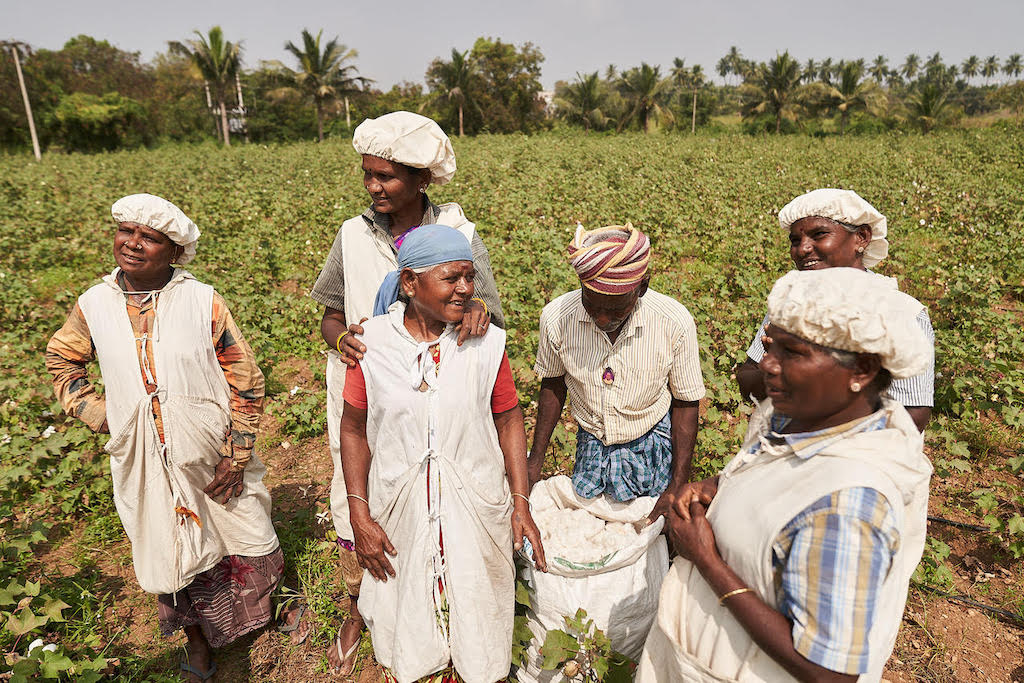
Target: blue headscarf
426 246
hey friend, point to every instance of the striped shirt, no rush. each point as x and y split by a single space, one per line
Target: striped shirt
909 391
71 349
832 558
329 289
653 360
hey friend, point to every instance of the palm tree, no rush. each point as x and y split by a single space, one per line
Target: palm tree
582 102
218 61
735 60
453 81
691 80
879 68
646 93
990 68
323 74
774 89
852 92
928 107
825 71
810 71
910 66
1013 67
970 67
724 67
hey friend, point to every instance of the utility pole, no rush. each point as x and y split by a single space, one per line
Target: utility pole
28 107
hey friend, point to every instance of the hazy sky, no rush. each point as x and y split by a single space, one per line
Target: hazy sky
396 40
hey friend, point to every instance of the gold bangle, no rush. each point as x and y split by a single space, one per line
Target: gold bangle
482 303
526 498
352 495
337 344
728 595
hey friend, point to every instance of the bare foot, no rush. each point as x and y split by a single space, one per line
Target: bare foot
342 653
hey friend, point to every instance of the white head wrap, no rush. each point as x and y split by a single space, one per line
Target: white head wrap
159 214
853 310
845 206
410 139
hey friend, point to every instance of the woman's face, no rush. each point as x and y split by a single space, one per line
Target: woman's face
442 292
806 383
816 243
393 187
142 253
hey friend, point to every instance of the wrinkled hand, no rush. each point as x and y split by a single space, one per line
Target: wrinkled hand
701 491
691 536
226 484
352 349
474 322
523 525
371 545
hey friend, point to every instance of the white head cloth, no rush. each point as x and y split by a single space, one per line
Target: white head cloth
407 138
159 214
853 310
845 206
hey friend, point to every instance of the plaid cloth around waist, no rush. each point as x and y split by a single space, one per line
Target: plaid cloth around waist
641 467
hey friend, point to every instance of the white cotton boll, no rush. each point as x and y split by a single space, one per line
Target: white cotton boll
38 642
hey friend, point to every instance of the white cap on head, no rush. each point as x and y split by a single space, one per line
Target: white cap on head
407 138
845 206
852 310
159 214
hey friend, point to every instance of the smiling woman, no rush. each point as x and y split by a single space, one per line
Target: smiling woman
831 228
183 401
434 459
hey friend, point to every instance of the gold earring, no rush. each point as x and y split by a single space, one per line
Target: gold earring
860 250
855 387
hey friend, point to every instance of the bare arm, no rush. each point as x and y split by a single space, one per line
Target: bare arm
371 541
695 541
683 416
921 415
549 408
332 326
750 380
512 439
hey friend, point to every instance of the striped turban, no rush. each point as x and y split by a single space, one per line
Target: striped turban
611 260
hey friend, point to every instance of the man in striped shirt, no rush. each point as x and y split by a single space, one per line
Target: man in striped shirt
627 358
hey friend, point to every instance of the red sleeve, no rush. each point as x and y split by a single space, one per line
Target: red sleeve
504 396
355 387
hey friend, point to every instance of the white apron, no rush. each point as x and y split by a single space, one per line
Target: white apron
696 639
448 430
151 480
365 263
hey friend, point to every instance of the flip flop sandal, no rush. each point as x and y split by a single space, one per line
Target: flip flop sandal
285 627
345 655
203 675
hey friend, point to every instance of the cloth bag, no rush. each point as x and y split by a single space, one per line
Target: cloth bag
619 592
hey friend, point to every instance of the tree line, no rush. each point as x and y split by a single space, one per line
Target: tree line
92 96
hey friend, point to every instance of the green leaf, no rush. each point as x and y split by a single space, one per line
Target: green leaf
523 594
1016 525
54 663
54 608
558 647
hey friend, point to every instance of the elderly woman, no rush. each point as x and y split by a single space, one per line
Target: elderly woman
434 454
831 228
183 398
402 154
794 562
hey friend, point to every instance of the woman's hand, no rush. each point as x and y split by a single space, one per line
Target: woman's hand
691 535
474 321
702 491
523 525
350 348
226 484
371 545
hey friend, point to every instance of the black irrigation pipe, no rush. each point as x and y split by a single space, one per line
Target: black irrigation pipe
1009 616
959 525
